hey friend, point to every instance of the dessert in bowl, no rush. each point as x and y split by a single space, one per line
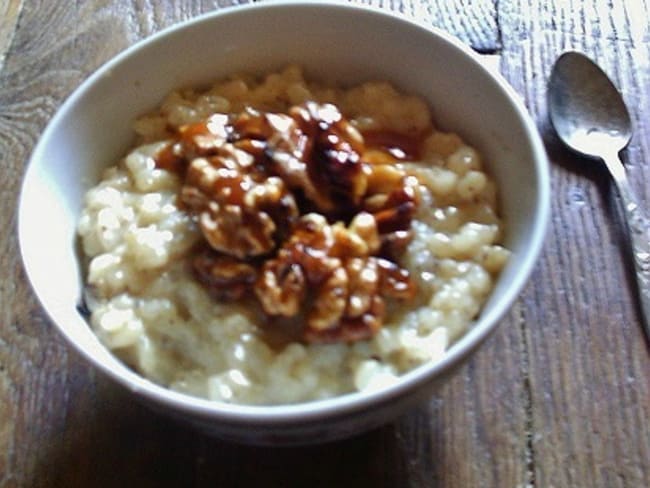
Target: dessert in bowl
285 241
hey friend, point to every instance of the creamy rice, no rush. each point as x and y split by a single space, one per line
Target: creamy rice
148 308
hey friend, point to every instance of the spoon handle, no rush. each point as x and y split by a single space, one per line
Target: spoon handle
636 228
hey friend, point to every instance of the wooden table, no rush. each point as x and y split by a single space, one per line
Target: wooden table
558 397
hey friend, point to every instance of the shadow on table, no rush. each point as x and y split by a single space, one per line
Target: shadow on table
597 173
110 440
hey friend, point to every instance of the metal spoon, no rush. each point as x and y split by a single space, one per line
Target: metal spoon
591 118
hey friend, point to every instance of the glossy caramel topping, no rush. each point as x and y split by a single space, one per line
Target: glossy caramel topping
301 212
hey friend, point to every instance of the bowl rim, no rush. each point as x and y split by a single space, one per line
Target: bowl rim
343 404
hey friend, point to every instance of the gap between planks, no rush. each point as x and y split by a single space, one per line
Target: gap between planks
527 400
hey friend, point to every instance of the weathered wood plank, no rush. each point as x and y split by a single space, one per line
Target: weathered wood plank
474 23
29 359
589 368
9 14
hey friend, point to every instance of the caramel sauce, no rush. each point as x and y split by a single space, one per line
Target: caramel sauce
402 147
230 187
168 159
324 163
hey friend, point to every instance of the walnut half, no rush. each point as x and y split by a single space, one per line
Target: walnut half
346 289
239 214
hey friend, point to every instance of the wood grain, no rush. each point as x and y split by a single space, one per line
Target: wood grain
9 14
588 375
559 396
475 22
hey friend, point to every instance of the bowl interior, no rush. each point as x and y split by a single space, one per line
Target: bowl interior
92 130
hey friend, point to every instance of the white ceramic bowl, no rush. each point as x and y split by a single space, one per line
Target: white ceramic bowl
336 42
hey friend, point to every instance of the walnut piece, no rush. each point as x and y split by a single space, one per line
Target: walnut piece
281 287
237 214
319 153
351 329
361 238
330 301
364 283
398 208
225 277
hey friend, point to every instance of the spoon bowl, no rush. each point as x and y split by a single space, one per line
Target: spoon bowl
585 107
